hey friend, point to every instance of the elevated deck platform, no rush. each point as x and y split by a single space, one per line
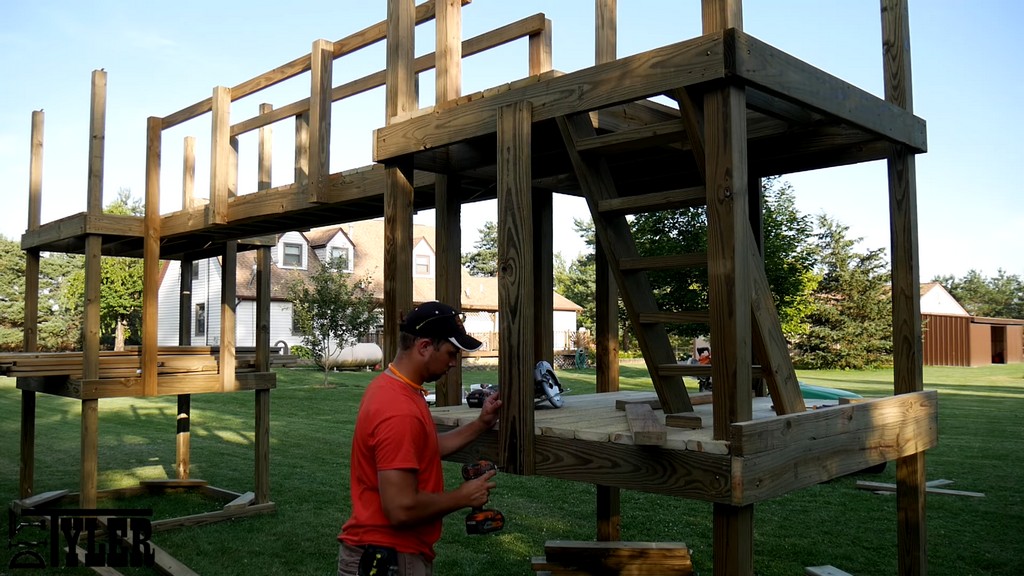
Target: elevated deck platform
589 440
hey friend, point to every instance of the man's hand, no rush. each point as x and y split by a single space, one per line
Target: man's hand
477 491
489 411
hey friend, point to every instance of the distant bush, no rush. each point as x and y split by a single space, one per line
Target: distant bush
300 351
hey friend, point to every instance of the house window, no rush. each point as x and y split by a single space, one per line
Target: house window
296 325
423 265
341 254
292 256
195 270
201 319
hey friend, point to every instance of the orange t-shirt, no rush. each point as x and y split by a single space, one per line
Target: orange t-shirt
394 431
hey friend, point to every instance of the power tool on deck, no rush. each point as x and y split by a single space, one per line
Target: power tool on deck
480 520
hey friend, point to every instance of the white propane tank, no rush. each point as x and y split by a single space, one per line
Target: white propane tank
361 355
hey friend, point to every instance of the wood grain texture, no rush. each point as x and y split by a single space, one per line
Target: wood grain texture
516 283
263 272
770 69
654 201
151 254
264 152
27 451
606 312
183 437
400 78
89 454
228 305
220 156
543 277
97 139
448 50
605 31
262 447
733 532
728 265
35 171
650 73
188 174
320 119
540 49
448 283
302 149
646 428
91 306
398 195
609 513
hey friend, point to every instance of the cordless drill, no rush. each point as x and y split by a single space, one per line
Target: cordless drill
481 521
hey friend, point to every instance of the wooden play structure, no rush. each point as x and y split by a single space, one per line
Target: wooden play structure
739 110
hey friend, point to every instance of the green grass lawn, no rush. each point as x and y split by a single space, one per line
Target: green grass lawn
981 448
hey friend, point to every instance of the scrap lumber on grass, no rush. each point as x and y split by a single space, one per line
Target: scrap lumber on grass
607 558
885 487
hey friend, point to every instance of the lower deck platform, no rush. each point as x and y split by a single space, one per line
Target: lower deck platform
589 440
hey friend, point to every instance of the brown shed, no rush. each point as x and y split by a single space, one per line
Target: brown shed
953 340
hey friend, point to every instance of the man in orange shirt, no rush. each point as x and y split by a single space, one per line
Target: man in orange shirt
397 488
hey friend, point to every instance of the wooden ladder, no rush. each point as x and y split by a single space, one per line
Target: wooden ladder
588 152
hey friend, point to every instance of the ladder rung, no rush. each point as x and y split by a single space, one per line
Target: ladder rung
652 134
655 201
683 317
670 262
695 370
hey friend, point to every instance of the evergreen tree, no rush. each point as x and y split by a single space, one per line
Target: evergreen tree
57 326
483 261
850 323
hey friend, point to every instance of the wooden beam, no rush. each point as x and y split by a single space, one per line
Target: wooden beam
35 171
911 542
220 157
448 29
400 78
644 424
609 513
320 119
228 305
448 284
357 41
654 201
89 453
188 174
27 450
183 418
605 31
540 49
655 72
91 305
262 447
302 149
776 72
516 271
151 253
97 137
543 277
733 547
398 197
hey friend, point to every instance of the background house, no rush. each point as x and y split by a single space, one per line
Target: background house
298 254
952 337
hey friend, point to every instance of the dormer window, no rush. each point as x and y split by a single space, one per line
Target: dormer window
343 254
292 256
422 265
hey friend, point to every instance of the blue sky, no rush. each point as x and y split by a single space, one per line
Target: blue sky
161 56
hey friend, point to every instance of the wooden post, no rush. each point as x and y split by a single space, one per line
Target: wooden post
911 538
448 51
609 515
183 424
262 439
97 138
263 272
26 476
516 283
151 258
93 267
725 140
302 149
320 118
188 174
448 283
543 278
755 211
540 50
220 156
228 304
400 98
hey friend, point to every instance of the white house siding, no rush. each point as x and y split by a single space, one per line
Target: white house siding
203 292
291 238
280 324
167 308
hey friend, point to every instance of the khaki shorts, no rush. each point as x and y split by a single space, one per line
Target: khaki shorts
408 564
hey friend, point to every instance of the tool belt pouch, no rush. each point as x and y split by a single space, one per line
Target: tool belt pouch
378 561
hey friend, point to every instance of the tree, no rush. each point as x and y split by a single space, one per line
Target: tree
57 327
850 322
332 310
576 280
1001 296
787 253
483 261
120 283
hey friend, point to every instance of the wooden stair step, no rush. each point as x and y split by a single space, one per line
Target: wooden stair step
666 132
680 317
654 201
668 262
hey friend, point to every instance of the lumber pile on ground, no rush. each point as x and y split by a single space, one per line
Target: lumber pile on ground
577 558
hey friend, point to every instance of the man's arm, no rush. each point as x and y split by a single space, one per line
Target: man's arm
405 505
457 439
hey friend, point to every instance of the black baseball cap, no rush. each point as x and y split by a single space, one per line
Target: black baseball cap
438 320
